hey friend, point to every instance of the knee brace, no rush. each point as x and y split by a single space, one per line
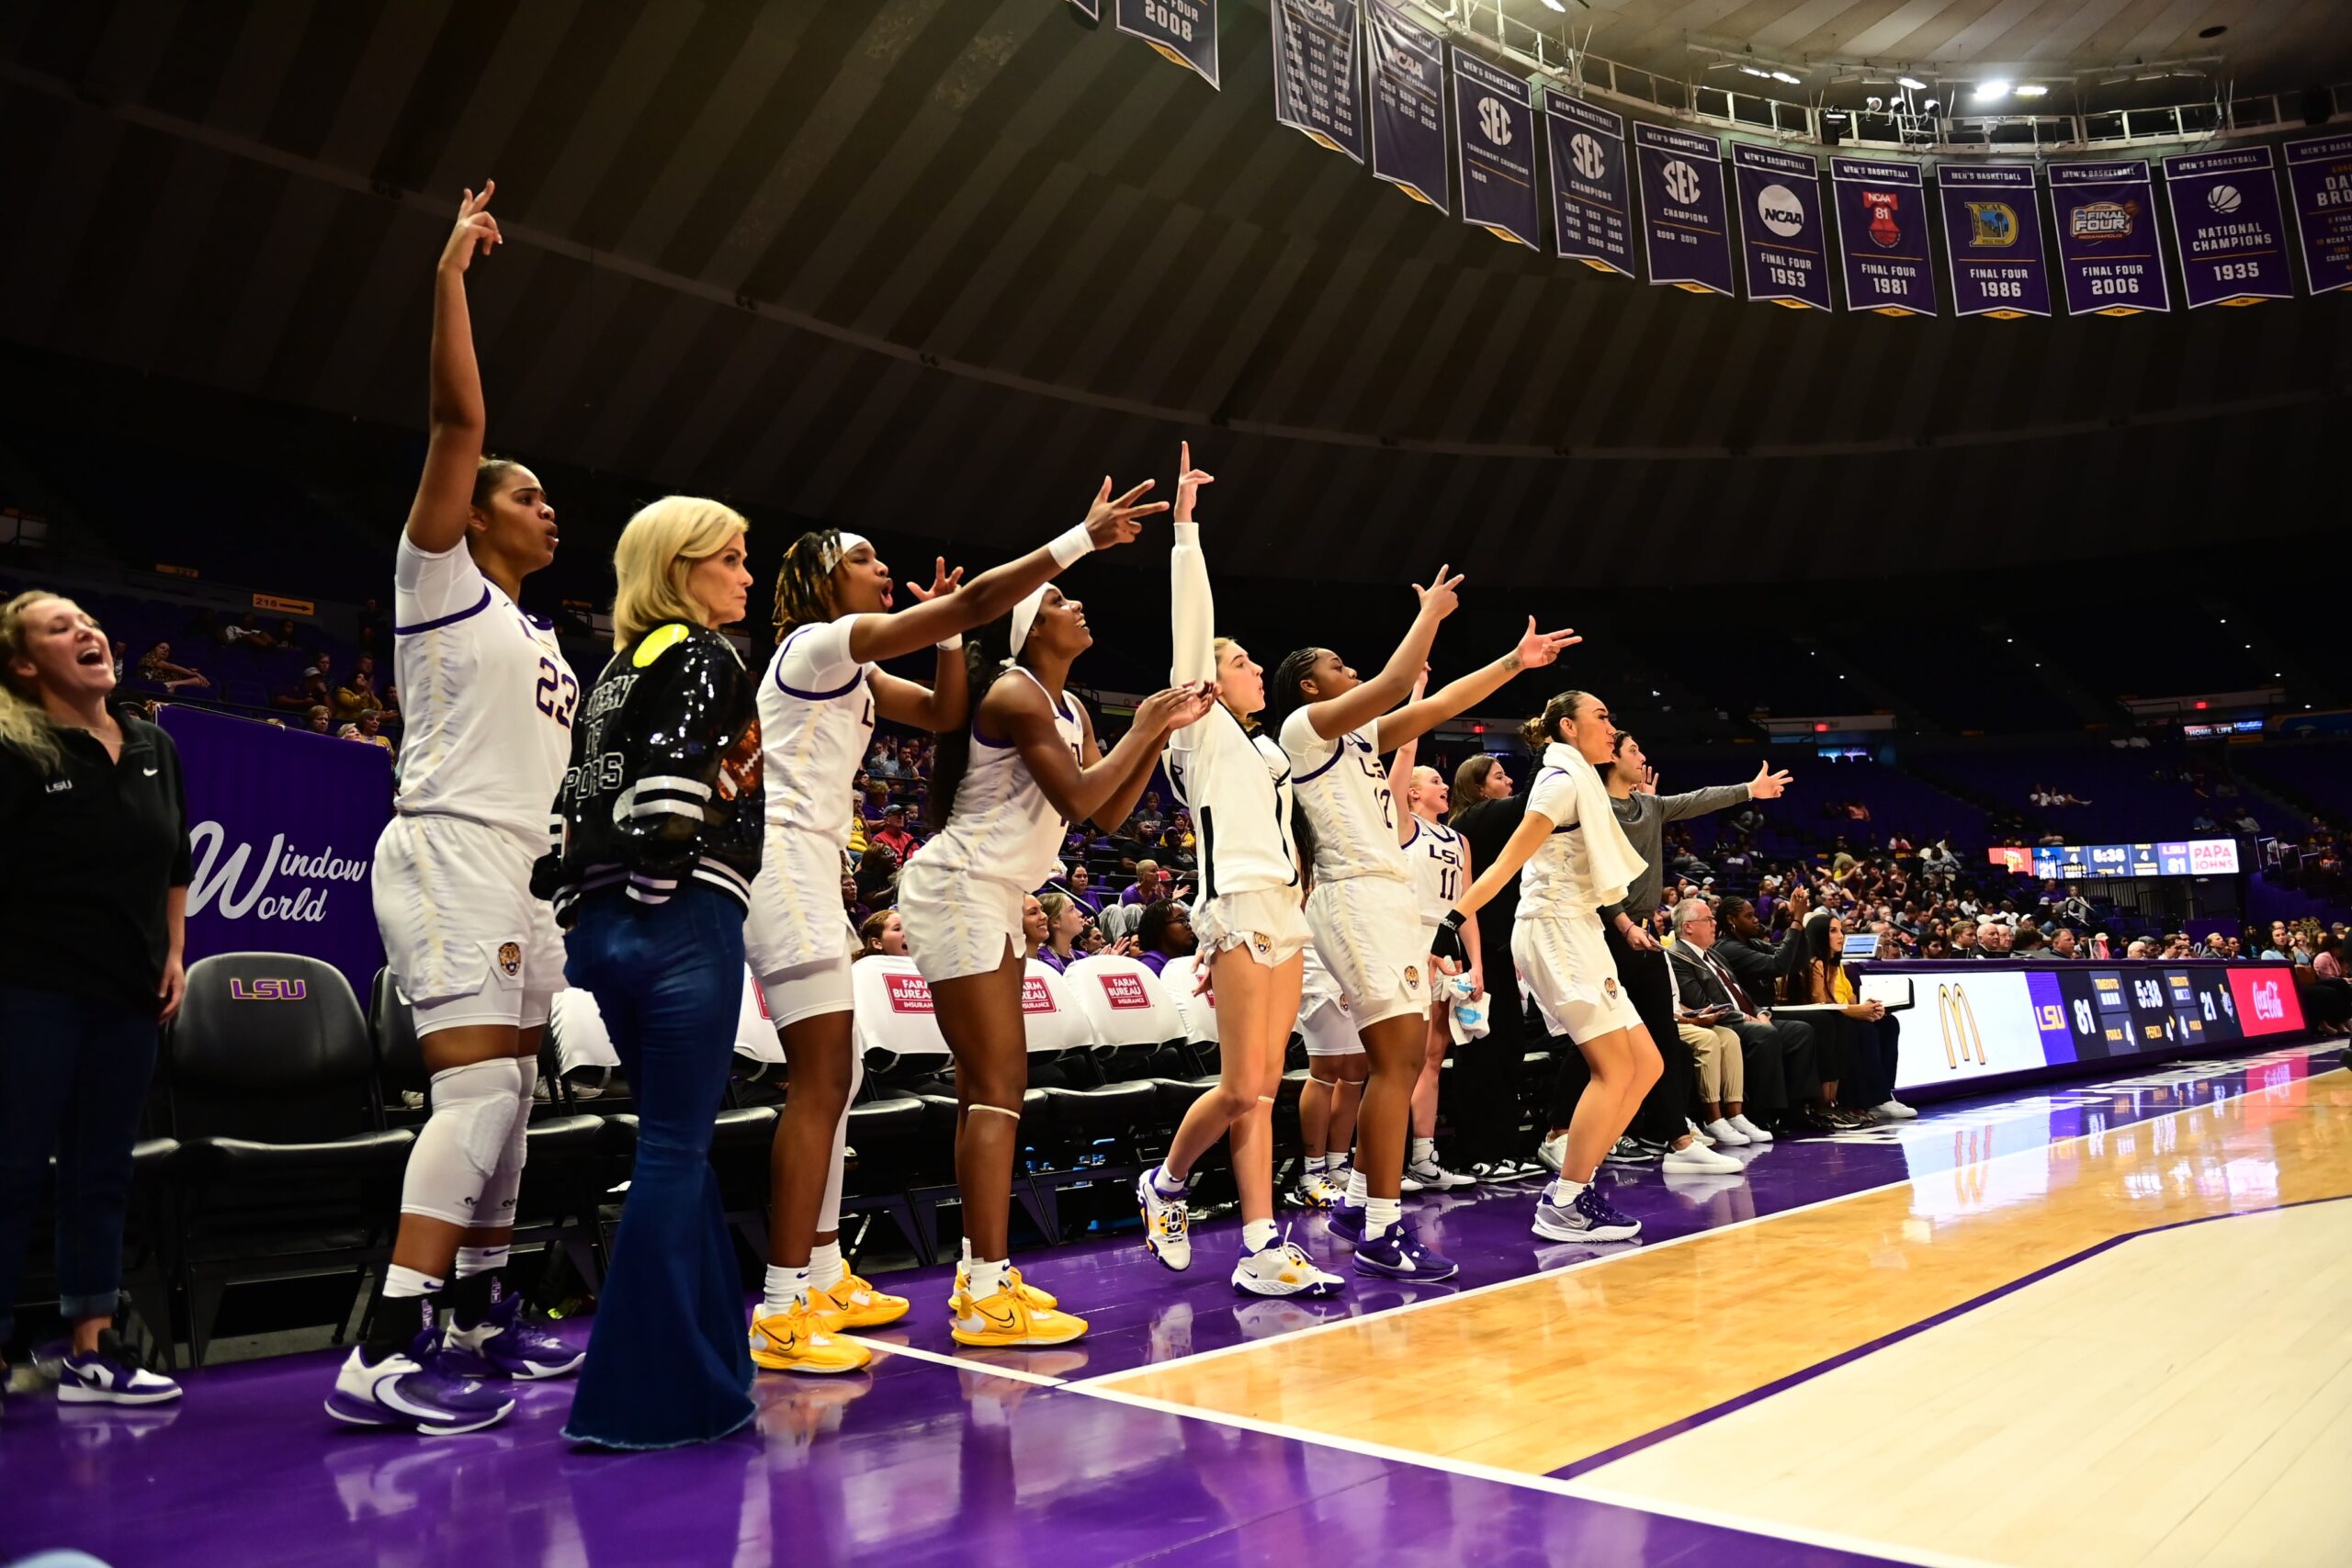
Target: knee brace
475 1111
506 1183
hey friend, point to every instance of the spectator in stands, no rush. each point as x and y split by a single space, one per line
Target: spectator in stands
1992 938
156 665
356 695
893 835
2064 944
1035 927
2276 947
119 656
877 876
244 632
2140 947
1149 887
1938 859
1935 948
1080 885
2026 944
881 936
1812 973
876 804
2246 821
319 721
2074 909
309 690
855 908
1065 922
882 762
371 729
2203 822
1165 932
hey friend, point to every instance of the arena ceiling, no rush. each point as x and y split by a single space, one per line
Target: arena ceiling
935 265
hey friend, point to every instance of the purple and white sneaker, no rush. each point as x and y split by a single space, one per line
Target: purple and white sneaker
505 1344
111 1375
1586 1217
419 1389
1397 1254
1345 1221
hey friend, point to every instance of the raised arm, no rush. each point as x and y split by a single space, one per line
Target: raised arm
1400 770
1109 521
1192 607
1535 650
946 702
1018 710
455 415
1352 710
1766 785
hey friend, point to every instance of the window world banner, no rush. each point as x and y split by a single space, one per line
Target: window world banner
2227 225
1183 30
1317 84
2319 181
1883 229
1780 225
282 828
1407 105
1992 235
2106 238
1494 121
1591 207
1684 231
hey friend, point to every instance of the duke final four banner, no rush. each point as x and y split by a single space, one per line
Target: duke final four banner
1591 207
1883 229
1183 30
1684 231
2227 226
2106 238
1407 105
1495 121
282 828
2319 178
1993 233
1780 225
1317 87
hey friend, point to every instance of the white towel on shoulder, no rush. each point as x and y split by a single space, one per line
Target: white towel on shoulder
1610 857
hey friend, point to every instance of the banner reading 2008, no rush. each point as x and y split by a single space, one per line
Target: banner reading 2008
1316 78
1684 229
1883 229
1496 122
1591 207
1780 225
2106 238
1993 231
2226 222
1407 105
1183 30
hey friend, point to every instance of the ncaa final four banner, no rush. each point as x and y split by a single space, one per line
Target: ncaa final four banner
2227 227
2319 181
1780 225
1317 84
1183 30
1495 123
1993 235
1883 229
1407 105
1591 207
1684 231
2106 238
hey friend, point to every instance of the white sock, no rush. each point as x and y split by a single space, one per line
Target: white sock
1563 1191
1356 1191
400 1283
1424 1151
988 1279
785 1289
968 1253
1316 1163
1381 1215
1166 1185
1257 1236
826 1269
474 1261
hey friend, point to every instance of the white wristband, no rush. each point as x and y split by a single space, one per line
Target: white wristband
1073 546
951 644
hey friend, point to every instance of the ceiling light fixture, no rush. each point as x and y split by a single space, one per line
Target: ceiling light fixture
1792 80
1910 83
1557 6
1995 88
2033 90
1756 70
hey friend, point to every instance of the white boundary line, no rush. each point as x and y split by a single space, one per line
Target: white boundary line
979 1367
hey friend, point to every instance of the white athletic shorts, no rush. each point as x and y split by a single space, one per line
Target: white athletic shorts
1266 923
1329 1030
797 938
463 937
1566 964
1368 931
957 923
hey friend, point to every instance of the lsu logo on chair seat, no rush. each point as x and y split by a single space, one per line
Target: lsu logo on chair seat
1957 1020
266 990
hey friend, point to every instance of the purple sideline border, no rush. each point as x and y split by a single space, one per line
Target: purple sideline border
1806 1374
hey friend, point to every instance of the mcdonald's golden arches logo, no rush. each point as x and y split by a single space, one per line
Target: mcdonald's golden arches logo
1957 1018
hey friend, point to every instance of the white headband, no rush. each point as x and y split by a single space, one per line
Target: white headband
1024 615
847 543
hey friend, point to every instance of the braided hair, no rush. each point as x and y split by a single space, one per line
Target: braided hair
1283 699
804 583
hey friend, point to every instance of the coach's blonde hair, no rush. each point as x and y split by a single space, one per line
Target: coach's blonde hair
23 723
659 546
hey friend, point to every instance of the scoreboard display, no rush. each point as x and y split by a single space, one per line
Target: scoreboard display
2081 862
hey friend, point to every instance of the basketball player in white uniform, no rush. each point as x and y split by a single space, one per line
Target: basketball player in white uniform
1571 858
1250 928
1441 861
1361 910
819 700
489 704
1336 1066
1029 764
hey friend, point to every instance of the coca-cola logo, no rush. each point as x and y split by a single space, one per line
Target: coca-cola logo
2266 1004
288 882
1124 990
907 993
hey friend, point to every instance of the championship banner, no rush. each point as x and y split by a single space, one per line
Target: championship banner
1883 229
1183 30
1407 105
1317 88
1992 233
1685 234
2106 238
2227 227
2319 182
1780 225
282 828
1495 120
1590 203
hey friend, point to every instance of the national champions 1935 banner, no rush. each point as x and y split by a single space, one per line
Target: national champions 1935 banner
2227 227
282 828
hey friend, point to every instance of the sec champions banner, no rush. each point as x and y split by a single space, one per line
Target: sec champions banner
1407 105
1317 86
1494 121
1685 231
1183 30
2106 238
1993 235
1781 244
282 828
1591 205
2227 226
2319 182
1883 229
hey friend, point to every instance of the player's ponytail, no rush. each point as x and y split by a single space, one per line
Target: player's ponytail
986 653
1282 695
24 724
804 583
1544 727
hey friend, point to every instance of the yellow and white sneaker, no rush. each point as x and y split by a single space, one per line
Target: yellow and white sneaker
850 1302
796 1341
1006 1318
1039 1300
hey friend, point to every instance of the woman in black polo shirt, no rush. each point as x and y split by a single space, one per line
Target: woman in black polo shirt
93 850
